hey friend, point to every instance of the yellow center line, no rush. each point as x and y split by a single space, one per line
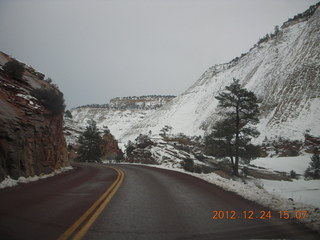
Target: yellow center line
99 205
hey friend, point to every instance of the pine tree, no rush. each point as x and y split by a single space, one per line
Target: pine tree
89 149
129 148
313 170
231 136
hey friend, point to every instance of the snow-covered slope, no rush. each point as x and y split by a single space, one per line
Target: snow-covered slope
119 115
283 71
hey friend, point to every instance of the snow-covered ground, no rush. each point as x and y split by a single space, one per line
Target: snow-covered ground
284 164
9 182
300 190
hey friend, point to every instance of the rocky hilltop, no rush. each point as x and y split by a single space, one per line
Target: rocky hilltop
283 69
150 102
31 136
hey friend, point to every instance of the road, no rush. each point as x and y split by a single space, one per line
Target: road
46 208
150 203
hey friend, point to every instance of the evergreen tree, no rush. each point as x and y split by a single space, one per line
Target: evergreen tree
129 148
89 149
313 170
231 136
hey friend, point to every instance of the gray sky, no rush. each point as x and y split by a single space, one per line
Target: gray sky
97 50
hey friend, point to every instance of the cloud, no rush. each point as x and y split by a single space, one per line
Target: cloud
96 50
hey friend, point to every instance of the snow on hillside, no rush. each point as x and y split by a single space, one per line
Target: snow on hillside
119 115
284 72
118 121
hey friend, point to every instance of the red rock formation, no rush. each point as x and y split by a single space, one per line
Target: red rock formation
31 137
109 148
312 143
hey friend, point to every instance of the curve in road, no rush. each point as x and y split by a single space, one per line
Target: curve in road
151 203
154 203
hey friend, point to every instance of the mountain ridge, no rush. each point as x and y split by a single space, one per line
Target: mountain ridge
283 71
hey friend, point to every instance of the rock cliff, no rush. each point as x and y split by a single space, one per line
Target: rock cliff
31 137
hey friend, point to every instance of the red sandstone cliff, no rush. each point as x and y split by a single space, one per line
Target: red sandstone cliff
31 137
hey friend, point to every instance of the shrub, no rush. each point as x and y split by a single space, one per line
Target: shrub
68 114
207 169
293 174
49 80
197 169
51 99
188 165
200 157
14 69
143 141
245 171
119 157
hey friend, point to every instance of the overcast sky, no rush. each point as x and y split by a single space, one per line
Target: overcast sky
97 50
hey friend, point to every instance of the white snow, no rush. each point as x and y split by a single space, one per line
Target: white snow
9 182
282 72
300 190
118 121
254 190
29 99
284 164
26 97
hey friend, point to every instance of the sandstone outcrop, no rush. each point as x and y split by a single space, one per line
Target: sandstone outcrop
109 148
31 137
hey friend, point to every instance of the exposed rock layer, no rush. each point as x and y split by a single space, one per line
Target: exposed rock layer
31 138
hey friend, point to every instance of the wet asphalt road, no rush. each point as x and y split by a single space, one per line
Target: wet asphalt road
46 208
150 204
159 204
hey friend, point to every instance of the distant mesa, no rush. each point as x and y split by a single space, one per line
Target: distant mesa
146 102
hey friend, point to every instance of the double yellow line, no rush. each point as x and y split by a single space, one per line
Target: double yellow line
82 225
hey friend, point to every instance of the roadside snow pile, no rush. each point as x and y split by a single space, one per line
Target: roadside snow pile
257 192
284 164
9 182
